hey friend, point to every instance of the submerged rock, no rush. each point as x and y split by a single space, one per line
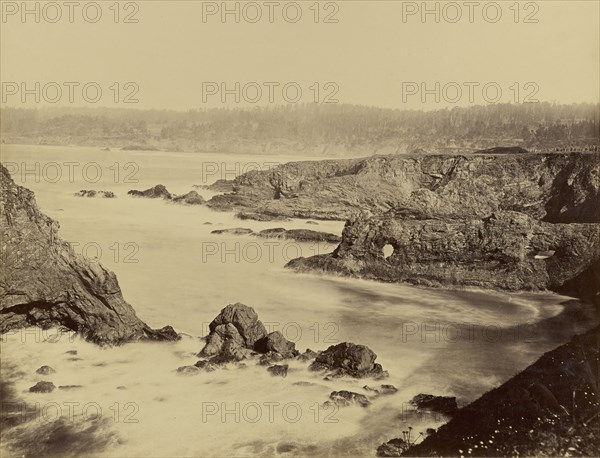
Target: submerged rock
234 231
188 370
43 387
278 370
45 370
349 359
92 193
261 217
45 284
382 390
157 192
347 398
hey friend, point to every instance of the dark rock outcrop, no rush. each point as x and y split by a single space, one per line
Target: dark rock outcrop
44 283
443 404
348 359
43 387
233 231
157 192
549 409
382 390
191 198
498 251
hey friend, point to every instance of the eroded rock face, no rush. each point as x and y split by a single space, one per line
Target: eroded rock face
349 359
44 283
498 251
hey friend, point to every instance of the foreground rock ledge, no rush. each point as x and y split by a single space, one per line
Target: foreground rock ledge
44 283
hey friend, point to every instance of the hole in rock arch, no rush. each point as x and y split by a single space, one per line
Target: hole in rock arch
388 250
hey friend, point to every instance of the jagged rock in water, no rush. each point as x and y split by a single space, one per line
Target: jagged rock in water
45 370
245 320
188 370
300 235
442 404
157 192
44 283
234 231
494 252
349 359
217 338
43 387
278 370
277 343
231 351
191 198
348 398
394 447
548 409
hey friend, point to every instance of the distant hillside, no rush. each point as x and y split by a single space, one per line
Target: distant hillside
331 130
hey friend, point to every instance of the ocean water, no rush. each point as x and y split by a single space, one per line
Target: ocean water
131 401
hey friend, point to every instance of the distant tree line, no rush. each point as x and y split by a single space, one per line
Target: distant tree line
536 125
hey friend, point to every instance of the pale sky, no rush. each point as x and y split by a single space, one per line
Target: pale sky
371 55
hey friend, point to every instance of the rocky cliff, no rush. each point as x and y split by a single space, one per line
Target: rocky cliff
549 409
559 188
44 283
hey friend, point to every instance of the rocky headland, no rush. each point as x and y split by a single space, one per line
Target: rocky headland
299 235
44 283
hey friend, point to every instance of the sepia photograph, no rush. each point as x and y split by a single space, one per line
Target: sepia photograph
311 228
